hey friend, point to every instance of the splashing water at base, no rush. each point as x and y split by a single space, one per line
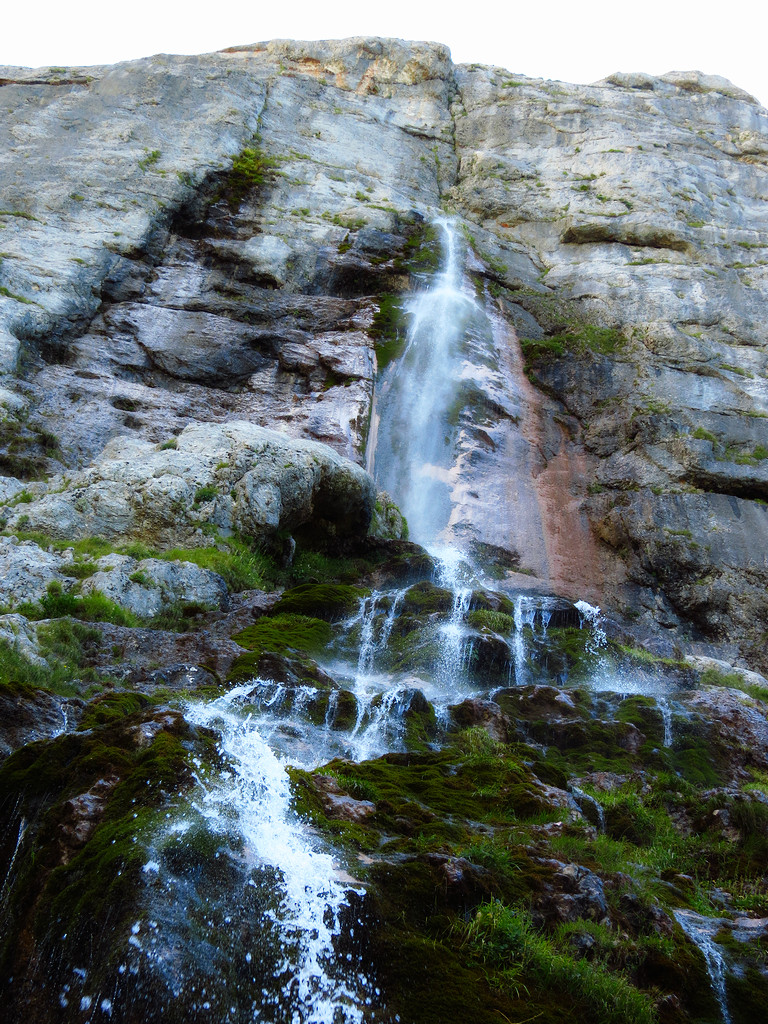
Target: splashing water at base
311 982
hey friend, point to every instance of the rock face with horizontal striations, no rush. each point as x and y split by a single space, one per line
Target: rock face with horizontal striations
201 240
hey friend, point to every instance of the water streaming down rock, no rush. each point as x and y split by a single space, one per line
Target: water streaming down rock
420 395
273 939
524 616
700 931
264 943
666 718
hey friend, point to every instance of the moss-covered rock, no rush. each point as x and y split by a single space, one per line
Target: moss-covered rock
89 801
326 601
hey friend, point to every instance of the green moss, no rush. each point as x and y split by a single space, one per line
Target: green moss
422 251
389 330
111 707
280 634
19 213
643 712
570 334
692 758
424 598
542 349
285 631
498 622
747 995
320 600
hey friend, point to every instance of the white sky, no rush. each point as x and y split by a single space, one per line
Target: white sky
575 41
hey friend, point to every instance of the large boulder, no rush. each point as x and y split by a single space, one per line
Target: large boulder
26 570
230 476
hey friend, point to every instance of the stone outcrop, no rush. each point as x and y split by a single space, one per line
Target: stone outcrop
145 587
233 476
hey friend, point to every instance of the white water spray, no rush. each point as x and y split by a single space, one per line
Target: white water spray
256 799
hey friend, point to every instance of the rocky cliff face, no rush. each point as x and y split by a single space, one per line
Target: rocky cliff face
220 237
205 271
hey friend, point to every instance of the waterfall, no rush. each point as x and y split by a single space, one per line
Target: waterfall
306 978
525 615
272 932
699 930
592 616
420 398
666 718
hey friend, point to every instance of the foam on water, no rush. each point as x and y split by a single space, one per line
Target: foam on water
256 799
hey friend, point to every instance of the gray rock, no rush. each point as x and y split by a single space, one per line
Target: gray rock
702 663
35 715
739 720
232 476
26 570
147 587
21 634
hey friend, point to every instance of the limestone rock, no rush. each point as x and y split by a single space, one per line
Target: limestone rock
702 663
338 804
740 721
21 634
233 476
572 893
147 586
26 570
483 713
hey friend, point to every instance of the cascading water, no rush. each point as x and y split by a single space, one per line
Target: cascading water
420 396
700 931
271 933
666 718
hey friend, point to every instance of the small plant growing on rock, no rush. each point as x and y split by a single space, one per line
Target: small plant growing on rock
205 494
250 169
704 435
150 159
142 579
